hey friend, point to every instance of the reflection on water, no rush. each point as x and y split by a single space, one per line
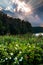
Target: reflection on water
37 34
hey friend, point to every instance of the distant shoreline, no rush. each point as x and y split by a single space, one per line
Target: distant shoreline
37 29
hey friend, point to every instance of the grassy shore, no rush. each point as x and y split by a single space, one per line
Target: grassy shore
21 50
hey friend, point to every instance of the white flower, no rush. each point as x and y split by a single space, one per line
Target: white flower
14 62
15 58
20 52
21 59
11 54
9 57
3 60
6 58
16 45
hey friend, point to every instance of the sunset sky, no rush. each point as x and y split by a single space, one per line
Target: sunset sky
30 10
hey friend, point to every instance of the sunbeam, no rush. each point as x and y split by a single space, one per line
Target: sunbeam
24 9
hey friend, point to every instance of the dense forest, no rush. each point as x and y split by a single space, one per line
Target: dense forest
13 25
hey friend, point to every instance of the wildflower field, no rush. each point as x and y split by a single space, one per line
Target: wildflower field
21 50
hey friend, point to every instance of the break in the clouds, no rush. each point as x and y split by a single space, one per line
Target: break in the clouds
31 10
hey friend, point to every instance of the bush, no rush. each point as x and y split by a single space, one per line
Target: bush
17 50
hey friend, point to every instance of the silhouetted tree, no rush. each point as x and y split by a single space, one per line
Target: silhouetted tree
13 25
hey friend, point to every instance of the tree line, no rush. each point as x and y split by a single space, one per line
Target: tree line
13 25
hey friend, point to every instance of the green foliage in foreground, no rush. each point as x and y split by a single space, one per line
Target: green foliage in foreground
21 50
